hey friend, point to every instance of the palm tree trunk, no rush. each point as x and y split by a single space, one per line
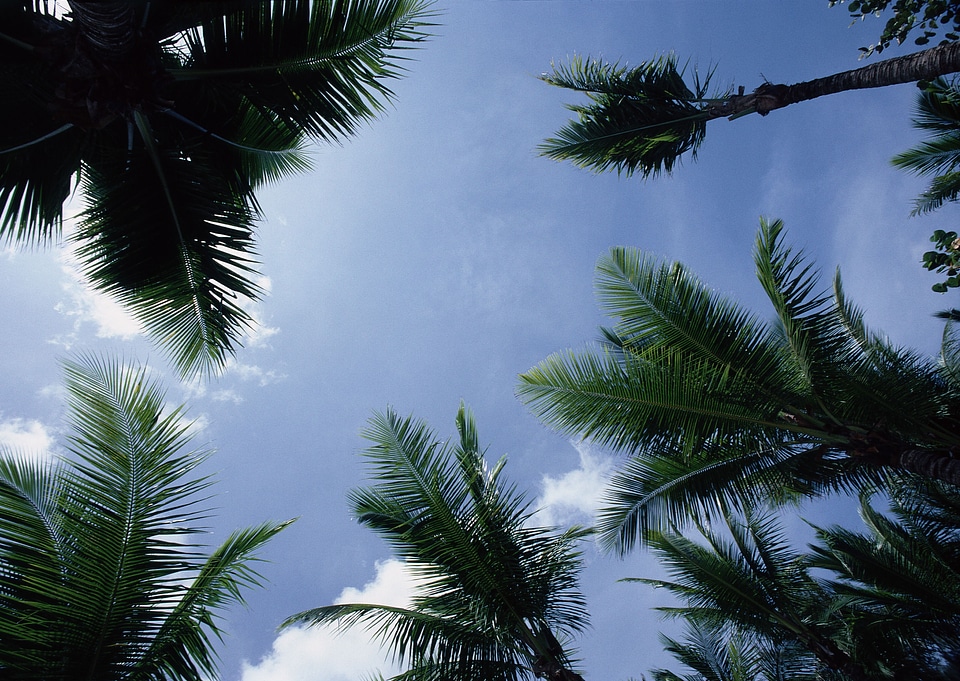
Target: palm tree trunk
924 65
934 465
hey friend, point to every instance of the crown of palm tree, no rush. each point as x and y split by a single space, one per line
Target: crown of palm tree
715 407
169 115
643 119
495 594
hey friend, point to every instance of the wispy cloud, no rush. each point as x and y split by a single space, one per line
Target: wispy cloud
86 306
26 437
323 654
575 496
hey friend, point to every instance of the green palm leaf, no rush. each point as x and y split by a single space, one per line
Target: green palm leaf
715 408
938 113
98 572
639 119
752 583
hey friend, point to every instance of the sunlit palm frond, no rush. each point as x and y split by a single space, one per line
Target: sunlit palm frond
183 647
659 304
802 311
636 404
420 638
639 120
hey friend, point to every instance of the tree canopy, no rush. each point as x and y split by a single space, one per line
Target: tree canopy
715 408
168 116
497 596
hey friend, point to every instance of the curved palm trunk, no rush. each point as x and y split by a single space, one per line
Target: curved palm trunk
925 65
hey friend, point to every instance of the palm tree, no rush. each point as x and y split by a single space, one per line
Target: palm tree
754 608
643 119
714 407
497 597
100 576
169 115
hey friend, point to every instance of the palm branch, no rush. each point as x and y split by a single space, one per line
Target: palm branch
643 119
755 585
903 574
100 574
938 114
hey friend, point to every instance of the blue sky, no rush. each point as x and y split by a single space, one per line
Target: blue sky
435 256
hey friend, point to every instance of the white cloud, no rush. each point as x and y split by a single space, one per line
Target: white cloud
251 372
85 306
260 333
574 497
324 654
26 437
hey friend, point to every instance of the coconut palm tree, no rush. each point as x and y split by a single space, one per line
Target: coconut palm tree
715 407
100 573
497 597
643 119
168 115
887 608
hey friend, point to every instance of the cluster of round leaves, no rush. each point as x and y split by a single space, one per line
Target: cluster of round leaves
946 258
929 16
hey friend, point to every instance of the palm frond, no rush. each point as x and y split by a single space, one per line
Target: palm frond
764 589
183 646
938 113
637 404
790 284
318 67
187 271
39 158
98 573
640 119
224 97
